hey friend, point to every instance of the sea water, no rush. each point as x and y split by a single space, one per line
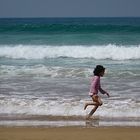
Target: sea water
46 65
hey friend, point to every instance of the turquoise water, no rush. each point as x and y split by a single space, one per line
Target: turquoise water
46 65
70 31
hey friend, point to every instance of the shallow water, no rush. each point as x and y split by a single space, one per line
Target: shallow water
46 66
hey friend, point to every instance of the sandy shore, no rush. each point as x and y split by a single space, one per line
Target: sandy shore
69 133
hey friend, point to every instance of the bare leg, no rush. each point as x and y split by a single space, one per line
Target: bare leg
96 102
91 112
90 103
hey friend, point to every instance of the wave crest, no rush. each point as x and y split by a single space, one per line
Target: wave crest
96 52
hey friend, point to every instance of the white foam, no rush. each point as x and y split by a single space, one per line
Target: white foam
63 107
44 71
110 51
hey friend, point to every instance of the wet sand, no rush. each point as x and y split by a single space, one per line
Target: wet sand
69 133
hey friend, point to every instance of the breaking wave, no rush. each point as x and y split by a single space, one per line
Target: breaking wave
109 51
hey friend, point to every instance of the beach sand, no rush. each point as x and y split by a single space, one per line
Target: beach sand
69 133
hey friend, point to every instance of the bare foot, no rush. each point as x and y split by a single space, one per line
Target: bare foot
88 117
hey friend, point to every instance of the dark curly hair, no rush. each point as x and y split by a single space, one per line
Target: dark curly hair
98 70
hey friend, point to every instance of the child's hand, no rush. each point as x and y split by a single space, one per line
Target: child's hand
108 94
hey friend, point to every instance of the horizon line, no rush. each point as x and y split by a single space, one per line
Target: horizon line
76 17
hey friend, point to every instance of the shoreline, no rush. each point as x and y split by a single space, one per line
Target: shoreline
63 133
66 121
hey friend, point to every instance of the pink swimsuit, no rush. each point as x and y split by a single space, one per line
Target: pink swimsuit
95 86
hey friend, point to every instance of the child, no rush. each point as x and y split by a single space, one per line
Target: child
95 87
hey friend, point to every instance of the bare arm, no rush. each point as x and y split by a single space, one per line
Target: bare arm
103 91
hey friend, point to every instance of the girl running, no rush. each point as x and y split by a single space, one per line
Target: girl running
94 88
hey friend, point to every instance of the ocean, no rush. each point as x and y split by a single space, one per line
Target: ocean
46 65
